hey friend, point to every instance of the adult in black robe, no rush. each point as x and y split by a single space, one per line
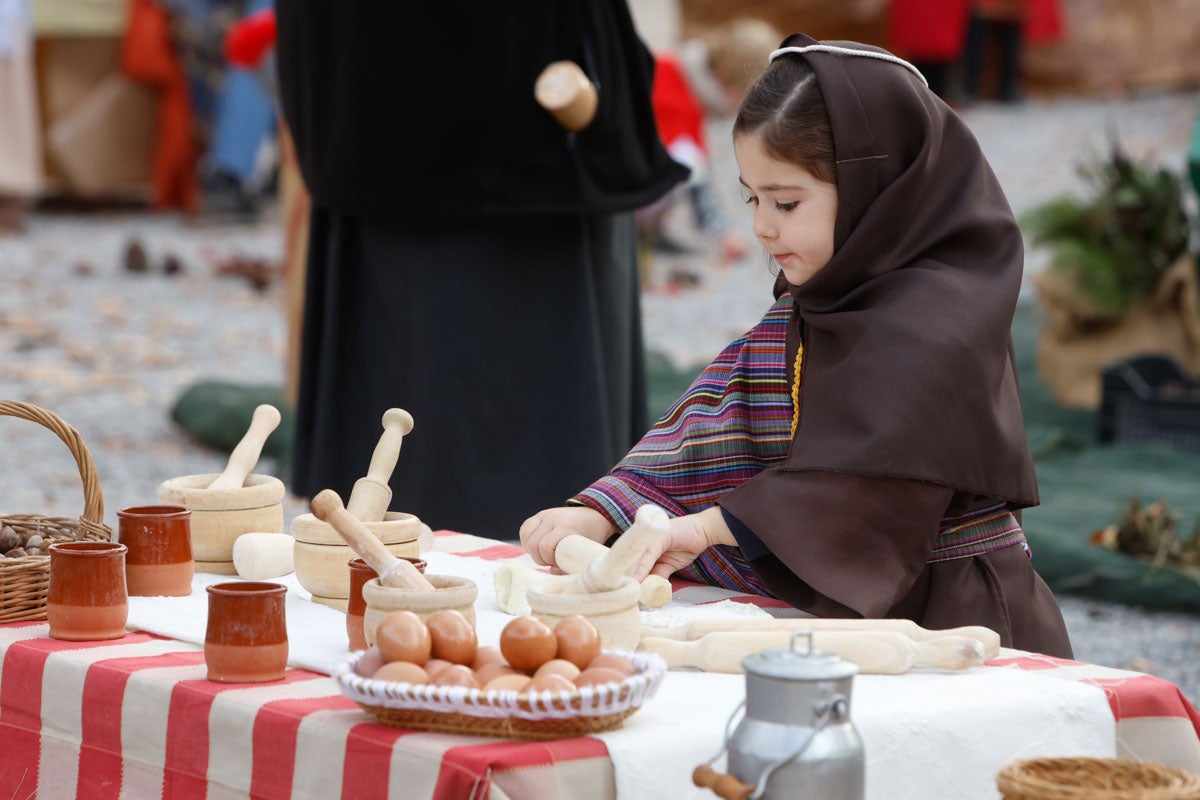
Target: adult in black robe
469 260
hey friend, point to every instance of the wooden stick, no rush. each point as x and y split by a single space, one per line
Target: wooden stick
608 573
371 494
988 638
726 787
875 652
245 456
394 572
574 553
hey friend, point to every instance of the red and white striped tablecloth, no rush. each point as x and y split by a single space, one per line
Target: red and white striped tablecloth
136 718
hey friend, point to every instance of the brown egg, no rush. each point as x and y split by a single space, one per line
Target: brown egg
489 672
402 636
550 683
457 675
369 662
593 676
612 661
578 640
527 643
401 671
557 666
453 637
435 665
487 654
514 681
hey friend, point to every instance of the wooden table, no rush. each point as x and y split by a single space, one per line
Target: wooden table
136 718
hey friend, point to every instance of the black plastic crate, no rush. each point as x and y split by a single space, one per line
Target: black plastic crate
1149 399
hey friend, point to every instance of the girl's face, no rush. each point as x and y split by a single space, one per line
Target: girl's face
794 212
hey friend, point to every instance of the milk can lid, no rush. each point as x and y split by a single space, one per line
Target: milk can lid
799 663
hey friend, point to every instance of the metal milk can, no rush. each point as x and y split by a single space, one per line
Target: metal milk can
796 739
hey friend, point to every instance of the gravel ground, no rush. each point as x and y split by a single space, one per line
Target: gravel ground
109 350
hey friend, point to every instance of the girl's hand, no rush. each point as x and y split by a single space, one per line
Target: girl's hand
687 537
542 532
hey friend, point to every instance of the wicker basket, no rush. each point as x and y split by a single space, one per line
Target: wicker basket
546 715
1095 779
24 582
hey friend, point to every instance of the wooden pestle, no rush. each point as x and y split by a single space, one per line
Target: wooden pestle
573 554
988 638
875 652
514 580
609 572
564 90
397 573
371 494
245 455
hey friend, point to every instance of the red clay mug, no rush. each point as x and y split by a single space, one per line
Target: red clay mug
86 599
246 639
159 562
356 606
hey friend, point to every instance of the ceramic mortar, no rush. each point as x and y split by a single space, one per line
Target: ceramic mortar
321 554
615 612
219 516
449 592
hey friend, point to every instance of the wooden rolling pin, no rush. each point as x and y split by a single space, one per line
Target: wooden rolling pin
875 652
609 572
327 506
702 627
371 494
245 455
573 554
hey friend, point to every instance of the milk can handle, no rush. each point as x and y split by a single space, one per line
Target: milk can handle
705 776
835 708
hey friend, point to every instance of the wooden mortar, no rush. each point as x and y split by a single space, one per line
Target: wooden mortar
321 554
219 516
614 612
450 592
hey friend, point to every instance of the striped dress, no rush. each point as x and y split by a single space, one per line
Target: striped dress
734 421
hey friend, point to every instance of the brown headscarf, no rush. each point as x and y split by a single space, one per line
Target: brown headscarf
908 369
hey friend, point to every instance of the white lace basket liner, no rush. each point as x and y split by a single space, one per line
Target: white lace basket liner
541 715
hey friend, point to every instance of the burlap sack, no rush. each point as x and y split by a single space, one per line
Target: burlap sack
1078 340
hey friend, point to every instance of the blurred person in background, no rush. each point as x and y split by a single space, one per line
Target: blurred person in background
469 260
931 35
706 77
20 149
1010 24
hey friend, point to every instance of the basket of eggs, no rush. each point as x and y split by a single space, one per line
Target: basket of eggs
540 683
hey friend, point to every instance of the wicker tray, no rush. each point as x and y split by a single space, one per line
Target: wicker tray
24 582
545 715
1095 779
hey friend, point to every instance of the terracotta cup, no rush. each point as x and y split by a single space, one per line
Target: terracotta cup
86 599
246 640
360 573
159 561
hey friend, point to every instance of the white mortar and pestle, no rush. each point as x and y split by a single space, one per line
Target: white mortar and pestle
234 502
604 592
400 586
321 555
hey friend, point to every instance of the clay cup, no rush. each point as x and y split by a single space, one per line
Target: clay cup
86 599
159 561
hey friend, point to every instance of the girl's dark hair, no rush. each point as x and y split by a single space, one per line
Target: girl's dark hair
786 109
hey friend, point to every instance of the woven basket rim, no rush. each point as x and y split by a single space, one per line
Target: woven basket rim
25 581
1043 779
602 700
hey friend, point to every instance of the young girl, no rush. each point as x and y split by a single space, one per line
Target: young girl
861 451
